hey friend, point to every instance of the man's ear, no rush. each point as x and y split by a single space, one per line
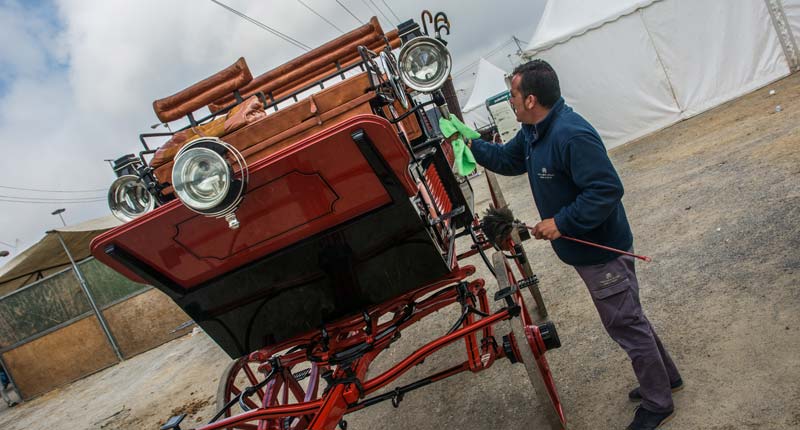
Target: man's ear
530 102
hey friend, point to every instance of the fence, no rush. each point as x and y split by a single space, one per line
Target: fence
50 335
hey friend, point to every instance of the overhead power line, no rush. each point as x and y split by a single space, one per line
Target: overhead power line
348 11
317 14
8 244
488 54
380 11
53 191
289 39
371 10
390 10
54 200
52 203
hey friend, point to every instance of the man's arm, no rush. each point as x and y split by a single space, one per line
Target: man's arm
598 182
508 159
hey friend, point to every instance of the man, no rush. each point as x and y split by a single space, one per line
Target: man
4 381
577 192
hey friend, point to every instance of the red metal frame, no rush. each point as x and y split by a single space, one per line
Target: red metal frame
349 390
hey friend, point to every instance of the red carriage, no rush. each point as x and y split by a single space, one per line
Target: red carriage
311 218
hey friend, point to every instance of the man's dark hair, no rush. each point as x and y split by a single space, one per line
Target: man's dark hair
540 80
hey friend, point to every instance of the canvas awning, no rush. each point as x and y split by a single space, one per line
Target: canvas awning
47 256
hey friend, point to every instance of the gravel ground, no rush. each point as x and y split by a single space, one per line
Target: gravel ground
714 200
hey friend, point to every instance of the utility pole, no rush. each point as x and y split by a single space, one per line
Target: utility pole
59 212
519 48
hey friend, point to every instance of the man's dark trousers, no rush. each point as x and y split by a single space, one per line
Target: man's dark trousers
615 293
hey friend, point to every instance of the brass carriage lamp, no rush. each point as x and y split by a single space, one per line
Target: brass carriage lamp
210 177
424 64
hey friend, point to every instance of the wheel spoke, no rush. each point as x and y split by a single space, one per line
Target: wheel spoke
253 379
534 361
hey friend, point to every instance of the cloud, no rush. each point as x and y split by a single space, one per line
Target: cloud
78 77
30 45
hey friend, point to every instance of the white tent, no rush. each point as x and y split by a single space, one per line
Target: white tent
632 67
489 81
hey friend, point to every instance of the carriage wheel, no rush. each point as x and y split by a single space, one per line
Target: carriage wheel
529 347
539 312
298 381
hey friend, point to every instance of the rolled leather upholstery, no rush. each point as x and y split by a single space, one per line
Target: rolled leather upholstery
315 64
204 92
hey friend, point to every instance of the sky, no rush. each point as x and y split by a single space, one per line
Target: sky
78 78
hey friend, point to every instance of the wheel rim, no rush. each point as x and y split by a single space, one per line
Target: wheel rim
527 342
297 381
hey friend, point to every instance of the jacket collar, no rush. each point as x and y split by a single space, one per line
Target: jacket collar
536 131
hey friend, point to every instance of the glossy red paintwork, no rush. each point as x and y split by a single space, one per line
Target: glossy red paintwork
292 194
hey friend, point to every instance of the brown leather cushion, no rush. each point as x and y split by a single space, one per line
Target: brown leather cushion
250 110
293 123
315 64
204 92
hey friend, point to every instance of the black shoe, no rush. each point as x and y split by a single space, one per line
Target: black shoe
647 420
636 396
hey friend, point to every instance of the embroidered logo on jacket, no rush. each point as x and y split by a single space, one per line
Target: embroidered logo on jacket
544 175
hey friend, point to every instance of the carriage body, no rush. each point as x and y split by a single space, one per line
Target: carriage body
346 207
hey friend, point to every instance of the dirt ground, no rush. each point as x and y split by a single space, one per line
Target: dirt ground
714 200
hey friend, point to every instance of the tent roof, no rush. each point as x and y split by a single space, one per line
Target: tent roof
48 253
489 82
565 19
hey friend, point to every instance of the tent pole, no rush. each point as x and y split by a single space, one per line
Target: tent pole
784 30
86 291
660 62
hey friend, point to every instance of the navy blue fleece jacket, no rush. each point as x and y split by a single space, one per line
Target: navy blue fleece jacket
572 179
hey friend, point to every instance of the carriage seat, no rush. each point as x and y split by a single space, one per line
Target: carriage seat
267 134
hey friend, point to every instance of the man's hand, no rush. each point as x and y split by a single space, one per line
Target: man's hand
452 137
546 229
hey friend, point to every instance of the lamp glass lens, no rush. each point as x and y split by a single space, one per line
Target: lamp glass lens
203 178
424 63
128 198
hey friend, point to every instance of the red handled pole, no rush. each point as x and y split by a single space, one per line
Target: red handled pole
607 248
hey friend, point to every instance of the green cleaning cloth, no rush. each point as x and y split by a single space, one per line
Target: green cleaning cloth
464 160
463 128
